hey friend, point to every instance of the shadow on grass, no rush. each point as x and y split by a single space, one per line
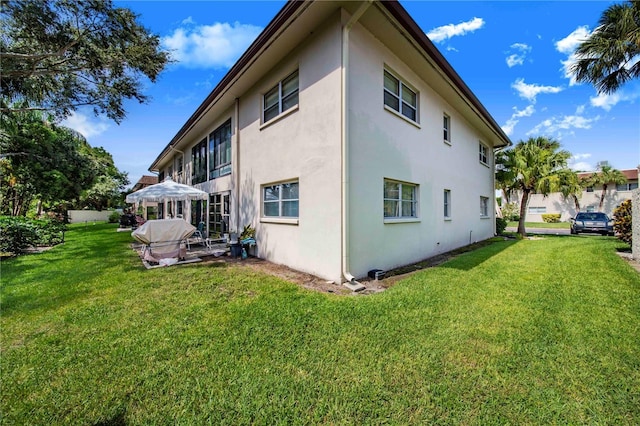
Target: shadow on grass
474 255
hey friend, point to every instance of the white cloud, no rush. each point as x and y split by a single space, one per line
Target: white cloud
518 57
81 124
562 125
447 31
210 46
568 46
576 162
607 102
511 122
530 91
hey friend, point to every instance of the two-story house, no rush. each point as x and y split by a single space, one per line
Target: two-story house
346 139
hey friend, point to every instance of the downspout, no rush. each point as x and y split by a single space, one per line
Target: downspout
351 281
236 168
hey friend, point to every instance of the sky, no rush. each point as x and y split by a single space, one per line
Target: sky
514 56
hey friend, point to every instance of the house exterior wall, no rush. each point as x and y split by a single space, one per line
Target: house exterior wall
589 201
383 144
304 146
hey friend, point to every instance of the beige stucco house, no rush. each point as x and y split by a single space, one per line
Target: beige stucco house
588 200
346 139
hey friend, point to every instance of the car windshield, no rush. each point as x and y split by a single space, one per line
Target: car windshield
592 216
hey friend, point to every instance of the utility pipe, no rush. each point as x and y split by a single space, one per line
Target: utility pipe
236 157
345 139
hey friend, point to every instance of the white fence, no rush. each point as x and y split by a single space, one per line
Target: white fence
79 216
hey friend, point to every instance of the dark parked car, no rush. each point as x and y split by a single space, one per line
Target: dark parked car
592 222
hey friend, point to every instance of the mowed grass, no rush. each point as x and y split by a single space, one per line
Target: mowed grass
519 332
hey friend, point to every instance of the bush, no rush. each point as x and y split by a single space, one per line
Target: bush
114 217
18 233
551 217
501 225
622 222
510 212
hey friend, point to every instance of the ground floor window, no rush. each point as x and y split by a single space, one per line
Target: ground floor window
447 204
537 210
400 199
280 200
219 214
484 206
198 212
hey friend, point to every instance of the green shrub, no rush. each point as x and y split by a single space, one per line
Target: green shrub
622 222
16 234
551 217
510 211
114 217
501 225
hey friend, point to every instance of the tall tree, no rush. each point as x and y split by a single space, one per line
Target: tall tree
570 187
610 56
603 176
59 55
535 167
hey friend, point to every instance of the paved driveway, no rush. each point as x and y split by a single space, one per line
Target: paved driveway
545 231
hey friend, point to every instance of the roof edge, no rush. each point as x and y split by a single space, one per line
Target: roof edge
409 24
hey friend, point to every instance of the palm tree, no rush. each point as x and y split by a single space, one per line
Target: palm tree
609 57
605 175
571 187
535 166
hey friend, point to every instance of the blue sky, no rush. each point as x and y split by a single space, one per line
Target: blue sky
512 54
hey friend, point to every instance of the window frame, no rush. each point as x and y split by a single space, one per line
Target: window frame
629 186
401 201
281 97
216 145
484 207
198 163
537 209
280 201
399 97
446 127
483 153
447 204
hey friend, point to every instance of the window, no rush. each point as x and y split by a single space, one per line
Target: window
484 206
483 153
400 199
280 98
591 209
399 97
446 123
199 162
220 151
280 200
179 170
589 188
537 210
627 186
447 204
219 214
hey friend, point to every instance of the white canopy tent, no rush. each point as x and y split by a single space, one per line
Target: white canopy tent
166 191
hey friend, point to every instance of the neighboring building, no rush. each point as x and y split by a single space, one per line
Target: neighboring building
149 209
589 200
346 139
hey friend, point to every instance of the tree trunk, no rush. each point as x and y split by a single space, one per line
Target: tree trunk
523 212
577 203
604 191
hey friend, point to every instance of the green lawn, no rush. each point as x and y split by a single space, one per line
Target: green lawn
545 225
540 331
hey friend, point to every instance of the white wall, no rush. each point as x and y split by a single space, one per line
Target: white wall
303 145
384 145
79 216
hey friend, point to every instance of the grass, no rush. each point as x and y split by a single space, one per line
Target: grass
545 225
517 332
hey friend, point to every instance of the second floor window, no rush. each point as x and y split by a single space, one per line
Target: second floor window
280 98
199 162
483 153
399 97
220 151
446 123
